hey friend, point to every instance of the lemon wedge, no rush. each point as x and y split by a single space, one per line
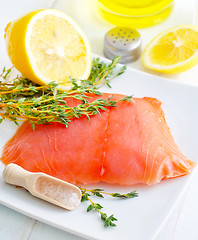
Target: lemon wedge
173 51
47 45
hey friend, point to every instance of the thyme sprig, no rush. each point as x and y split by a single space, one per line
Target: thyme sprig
98 192
103 73
108 221
21 99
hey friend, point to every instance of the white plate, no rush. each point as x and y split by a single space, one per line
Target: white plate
140 218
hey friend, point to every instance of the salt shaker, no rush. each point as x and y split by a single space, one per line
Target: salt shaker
124 42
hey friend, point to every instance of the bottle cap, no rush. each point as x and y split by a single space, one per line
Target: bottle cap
124 42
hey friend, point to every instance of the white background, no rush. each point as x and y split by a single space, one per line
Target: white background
183 222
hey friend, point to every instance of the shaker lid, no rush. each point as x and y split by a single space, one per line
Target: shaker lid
124 42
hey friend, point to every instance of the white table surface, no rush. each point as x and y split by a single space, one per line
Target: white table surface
183 223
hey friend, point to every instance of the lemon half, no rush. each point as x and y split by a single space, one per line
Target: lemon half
47 45
173 51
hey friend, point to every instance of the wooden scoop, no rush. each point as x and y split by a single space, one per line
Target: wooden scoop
41 185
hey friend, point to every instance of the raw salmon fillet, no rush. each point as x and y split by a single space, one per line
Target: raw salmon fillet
126 145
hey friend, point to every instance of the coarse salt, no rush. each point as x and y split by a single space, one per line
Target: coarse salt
59 193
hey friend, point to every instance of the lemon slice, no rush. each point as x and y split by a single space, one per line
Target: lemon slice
173 51
47 45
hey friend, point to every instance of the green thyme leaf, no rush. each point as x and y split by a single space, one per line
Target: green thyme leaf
21 99
108 221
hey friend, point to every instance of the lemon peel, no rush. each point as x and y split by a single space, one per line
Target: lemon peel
47 45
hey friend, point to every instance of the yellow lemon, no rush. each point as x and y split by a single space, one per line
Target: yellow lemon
173 51
47 45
